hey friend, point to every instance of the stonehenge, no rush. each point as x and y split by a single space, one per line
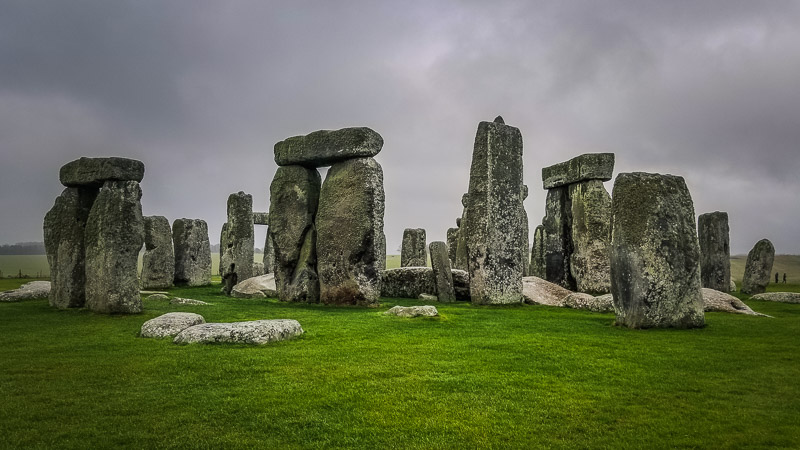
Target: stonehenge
758 268
440 262
192 252
655 255
576 230
412 251
237 241
537 264
715 251
452 244
93 234
158 261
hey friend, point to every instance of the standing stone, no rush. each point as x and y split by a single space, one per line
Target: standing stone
440 262
192 252
655 256
715 251
557 224
236 251
326 147
589 263
526 256
64 241
493 226
452 244
412 253
351 246
269 255
114 236
537 253
294 194
223 245
158 261
461 249
758 268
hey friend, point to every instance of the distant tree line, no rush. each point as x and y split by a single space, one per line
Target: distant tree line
23 248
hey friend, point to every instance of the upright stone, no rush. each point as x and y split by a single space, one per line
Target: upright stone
294 194
526 256
557 224
537 253
452 244
440 262
715 251
412 252
461 247
236 261
326 147
493 226
114 236
192 252
158 261
351 246
655 256
758 268
64 241
589 263
269 255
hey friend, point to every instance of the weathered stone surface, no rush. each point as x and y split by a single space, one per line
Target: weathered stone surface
588 302
65 244
782 297
412 251
158 261
537 253
589 263
557 224
537 291
294 194
733 286
94 172
28 291
452 244
256 332
351 247
428 297
187 301
461 284
236 250
260 218
327 147
462 255
442 273
413 311
256 287
407 282
493 226
192 252
715 251
714 300
157 297
269 255
589 166
114 236
170 324
655 256
758 268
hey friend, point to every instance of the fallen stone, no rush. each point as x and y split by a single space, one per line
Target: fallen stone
158 297
188 301
715 252
537 291
326 147
782 297
580 300
96 171
428 297
718 301
758 268
192 252
170 324
442 273
413 311
407 282
412 251
589 166
256 287
148 292
655 256
256 332
28 291
158 260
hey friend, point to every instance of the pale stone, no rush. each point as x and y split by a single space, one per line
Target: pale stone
589 263
412 251
537 291
28 291
169 324
782 297
714 300
256 332
158 297
580 300
758 268
256 287
413 311
187 301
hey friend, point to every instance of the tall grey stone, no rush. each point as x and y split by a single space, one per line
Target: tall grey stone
526 256
715 250
223 244
236 251
452 244
93 172
192 252
269 255
294 194
493 226
462 255
537 253
440 262
260 218
326 147
412 251
114 236
158 261
589 263
351 246
655 256
64 241
557 224
758 268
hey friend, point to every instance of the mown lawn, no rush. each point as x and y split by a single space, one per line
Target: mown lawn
527 376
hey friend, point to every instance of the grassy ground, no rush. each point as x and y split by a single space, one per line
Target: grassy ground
528 376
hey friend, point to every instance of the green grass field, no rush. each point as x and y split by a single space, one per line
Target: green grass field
520 377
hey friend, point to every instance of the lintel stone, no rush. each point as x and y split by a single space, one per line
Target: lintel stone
589 166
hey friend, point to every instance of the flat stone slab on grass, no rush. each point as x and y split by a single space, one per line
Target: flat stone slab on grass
256 287
579 300
157 297
28 291
413 311
257 332
537 291
187 301
782 297
170 324
719 301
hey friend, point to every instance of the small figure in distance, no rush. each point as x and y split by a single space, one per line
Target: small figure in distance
784 277
776 277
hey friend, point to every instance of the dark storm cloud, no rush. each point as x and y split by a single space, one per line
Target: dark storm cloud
201 91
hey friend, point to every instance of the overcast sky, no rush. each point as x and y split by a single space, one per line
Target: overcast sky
202 90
